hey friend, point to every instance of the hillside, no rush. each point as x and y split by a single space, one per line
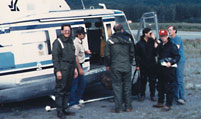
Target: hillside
167 10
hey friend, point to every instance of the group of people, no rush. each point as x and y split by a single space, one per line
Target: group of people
161 63
161 59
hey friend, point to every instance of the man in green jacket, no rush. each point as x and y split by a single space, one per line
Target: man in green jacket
63 57
119 53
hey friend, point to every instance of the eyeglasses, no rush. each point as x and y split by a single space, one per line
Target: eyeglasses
66 31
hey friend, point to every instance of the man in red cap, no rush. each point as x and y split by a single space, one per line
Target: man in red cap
168 58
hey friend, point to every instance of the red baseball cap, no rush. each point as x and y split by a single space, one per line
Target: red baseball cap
163 33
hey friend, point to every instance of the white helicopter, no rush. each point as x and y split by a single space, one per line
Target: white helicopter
27 30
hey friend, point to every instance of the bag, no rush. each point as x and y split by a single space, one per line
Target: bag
106 80
136 83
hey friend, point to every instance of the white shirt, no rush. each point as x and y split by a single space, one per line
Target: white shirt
79 50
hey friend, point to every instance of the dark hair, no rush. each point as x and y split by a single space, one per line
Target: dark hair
145 30
118 28
79 31
63 25
174 28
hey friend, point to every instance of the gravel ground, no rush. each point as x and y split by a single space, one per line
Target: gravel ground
35 108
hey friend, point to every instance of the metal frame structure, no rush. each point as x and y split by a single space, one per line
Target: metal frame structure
146 16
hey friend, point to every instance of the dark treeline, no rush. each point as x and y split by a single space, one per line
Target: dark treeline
167 10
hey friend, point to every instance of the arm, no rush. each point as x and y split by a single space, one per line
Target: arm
77 63
132 52
178 42
137 56
175 55
81 72
157 46
56 54
107 56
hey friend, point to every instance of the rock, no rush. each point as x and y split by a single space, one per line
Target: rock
190 86
198 86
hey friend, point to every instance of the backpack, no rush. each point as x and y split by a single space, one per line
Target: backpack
136 83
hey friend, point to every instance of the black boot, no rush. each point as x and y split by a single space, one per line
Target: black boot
69 113
60 115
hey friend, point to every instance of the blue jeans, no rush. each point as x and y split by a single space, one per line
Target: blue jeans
179 86
78 88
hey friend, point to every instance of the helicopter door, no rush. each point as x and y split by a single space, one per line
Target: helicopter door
35 45
95 31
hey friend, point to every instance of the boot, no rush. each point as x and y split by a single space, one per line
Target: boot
69 113
158 105
60 115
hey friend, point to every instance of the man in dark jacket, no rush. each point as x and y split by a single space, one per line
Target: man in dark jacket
146 63
168 58
119 54
63 57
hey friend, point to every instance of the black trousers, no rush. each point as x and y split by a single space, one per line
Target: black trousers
165 86
63 88
148 75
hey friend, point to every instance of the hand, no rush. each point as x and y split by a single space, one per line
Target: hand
153 36
168 64
155 45
81 72
88 52
138 68
75 73
158 41
59 75
108 68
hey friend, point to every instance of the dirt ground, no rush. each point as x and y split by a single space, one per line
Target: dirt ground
35 108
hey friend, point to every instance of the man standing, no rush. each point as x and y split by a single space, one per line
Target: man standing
119 53
146 63
179 89
168 57
63 57
79 85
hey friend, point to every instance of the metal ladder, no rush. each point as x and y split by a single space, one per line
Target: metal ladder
147 16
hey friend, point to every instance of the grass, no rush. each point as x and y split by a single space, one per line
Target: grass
180 26
192 48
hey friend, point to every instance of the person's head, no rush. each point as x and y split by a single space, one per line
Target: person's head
66 30
163 35
118 28
80 33
147 32
172 31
